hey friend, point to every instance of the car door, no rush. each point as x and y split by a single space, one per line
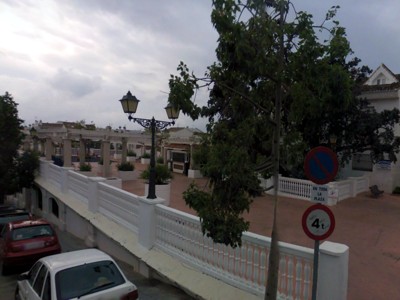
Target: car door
26 284
35 293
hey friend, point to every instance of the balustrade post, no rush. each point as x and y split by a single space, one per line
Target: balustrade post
333 270
65 179
93 186
44 168
353 186
147 221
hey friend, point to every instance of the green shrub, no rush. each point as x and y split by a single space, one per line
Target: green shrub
396 190
146 155
85 167
131 153
125 166
163 174
160 160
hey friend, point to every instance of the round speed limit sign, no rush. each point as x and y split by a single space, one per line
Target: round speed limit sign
318 222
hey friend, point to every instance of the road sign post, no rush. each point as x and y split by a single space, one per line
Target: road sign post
318 223
320 166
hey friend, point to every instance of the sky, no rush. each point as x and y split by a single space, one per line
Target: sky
72 60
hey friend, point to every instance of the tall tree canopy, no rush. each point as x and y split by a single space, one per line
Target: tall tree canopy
268 51
320 83
16 170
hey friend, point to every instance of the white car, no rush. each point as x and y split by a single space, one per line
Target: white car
83 274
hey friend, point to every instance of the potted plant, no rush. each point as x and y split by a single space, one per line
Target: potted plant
126 171
162 180
145 158
85 167
125 166
131 155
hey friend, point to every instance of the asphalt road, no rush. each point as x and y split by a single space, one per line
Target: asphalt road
149 289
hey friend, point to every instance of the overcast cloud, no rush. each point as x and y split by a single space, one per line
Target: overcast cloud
73 60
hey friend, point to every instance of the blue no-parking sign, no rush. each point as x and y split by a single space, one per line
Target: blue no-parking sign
321 165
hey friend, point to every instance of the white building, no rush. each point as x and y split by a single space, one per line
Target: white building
382 90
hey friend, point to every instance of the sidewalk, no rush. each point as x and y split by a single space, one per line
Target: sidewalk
369 226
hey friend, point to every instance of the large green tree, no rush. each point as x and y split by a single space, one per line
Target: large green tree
16 169
280 86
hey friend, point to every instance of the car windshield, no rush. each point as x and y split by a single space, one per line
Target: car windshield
30 232
86 279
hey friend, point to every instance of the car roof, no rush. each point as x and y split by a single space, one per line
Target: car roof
14 212
66 260
28 223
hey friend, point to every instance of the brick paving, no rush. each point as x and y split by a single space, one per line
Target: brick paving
369 226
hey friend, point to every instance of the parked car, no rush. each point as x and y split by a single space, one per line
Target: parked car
22 243
82 274
10 215
5 207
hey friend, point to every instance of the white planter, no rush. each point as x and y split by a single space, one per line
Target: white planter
163 191
194 173
145 161
131 158
117 156
128 175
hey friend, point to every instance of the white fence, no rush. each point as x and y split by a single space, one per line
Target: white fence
337 190
179 235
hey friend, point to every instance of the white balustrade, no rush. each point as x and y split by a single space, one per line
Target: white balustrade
78 186
301 189
118 205
179 235
54 174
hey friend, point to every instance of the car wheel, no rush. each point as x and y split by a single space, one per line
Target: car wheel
16 296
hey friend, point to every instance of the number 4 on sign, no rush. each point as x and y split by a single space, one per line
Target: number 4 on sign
317 225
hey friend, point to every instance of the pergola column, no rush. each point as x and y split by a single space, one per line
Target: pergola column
124 150
106 158
67 152
191 157
42 146
82 150
48 148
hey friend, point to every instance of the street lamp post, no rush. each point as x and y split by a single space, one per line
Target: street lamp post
129 105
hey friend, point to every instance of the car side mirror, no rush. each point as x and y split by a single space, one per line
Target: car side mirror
23 276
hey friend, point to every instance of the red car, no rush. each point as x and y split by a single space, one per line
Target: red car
22 243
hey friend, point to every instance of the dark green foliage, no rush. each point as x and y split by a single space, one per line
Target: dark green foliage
318 80
146 155
223 226
125 166
16 169
131 153
163 174
396 190
85 167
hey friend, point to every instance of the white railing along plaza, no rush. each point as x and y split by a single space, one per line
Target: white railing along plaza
179 235
301 189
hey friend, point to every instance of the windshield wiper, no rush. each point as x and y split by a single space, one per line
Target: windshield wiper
92 290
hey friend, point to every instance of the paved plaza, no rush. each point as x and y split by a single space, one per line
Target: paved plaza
369 226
